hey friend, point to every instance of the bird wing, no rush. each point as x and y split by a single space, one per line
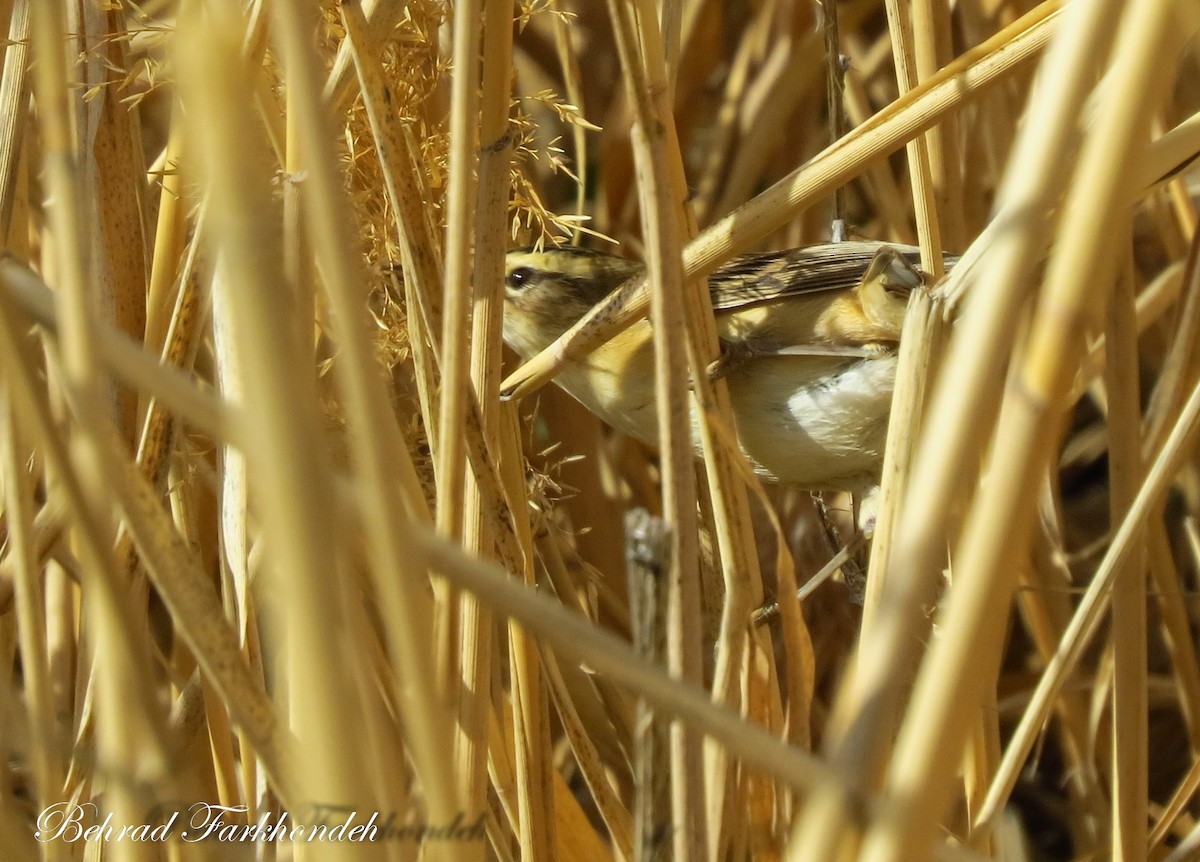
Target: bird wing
756 278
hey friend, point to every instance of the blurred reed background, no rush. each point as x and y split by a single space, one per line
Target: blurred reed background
269 532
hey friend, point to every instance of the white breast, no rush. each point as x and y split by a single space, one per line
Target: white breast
820 423
829 434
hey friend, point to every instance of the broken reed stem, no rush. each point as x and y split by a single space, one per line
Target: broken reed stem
647 552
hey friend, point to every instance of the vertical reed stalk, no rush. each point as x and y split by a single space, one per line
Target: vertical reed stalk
1130 702
660 218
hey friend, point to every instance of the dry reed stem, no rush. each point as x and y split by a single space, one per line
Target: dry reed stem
907 401
14 101
613 812
169 236
184 588
649 91
1179 800
884 189
575 837
491 205
112 171
791 70
569 63
925 199
295 508
728 476
922 341
158 430
889 643
595 696
380 18
456 324
1129 723
528 698
662 220
932 50
1165 576
464 620
297 253
1159 296
645 550
1172 153
726 118
1046 614
235 536
1182 360
1179 366
835 83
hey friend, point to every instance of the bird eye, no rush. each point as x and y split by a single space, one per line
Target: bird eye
520 277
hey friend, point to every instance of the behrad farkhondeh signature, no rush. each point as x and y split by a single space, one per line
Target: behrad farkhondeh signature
226 823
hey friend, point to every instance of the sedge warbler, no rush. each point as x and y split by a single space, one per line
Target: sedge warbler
809 343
